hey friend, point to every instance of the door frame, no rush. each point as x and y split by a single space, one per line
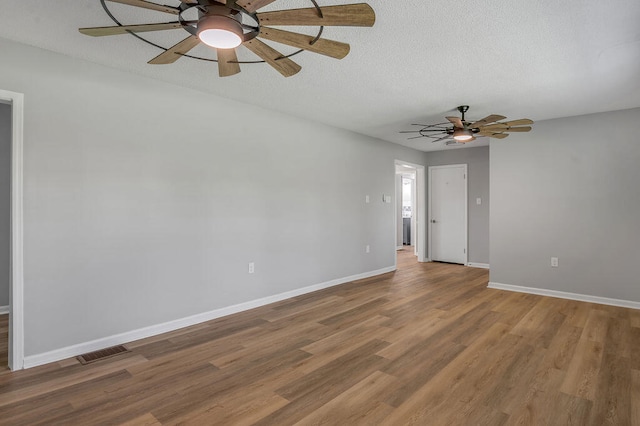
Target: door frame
466 207
16 286
421 221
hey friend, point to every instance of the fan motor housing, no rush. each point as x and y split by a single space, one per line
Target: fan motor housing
218 17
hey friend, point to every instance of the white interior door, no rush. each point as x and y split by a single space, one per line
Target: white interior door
448 213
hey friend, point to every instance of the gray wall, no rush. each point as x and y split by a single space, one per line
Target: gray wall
144 201
5 202
477 160
571 189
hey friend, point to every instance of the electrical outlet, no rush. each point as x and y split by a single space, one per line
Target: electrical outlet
478 201
554 262
367 249
252 268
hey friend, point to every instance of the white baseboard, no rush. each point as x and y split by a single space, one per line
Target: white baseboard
4 310
478 265
566 295
399 248
141 333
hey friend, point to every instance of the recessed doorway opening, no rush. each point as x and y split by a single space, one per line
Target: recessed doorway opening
410 210
13 201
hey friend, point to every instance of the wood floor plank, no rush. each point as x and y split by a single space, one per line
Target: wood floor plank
535 318
339 343
635 397
70 380
426 344
577 312
419 407
417 366
595 329
634 348
634 318
571 410
262 344
515 306
582 377
612 404
360 404
533 407
522 368
406 335
481 381
482 415
144 420
241 409
562 347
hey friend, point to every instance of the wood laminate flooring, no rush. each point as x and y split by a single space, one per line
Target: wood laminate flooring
428 345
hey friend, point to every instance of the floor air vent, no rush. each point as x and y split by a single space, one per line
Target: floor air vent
101 354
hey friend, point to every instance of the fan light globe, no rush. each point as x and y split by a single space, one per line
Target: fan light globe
220 32
462 135
220 39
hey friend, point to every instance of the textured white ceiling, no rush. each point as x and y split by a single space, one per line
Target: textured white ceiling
521 58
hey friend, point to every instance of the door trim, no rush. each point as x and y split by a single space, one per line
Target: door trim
16 287
421 223
466 208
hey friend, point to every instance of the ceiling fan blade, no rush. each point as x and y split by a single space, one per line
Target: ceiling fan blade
175 52
227 62
334 49
356 15
517 129
521 122
124 29
441 139
456 121
148 5
493 135
195 2
498 127
253 5
488 119
284 66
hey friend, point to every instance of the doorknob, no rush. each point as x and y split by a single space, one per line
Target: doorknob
433 221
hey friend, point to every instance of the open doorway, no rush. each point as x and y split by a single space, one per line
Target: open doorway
5 231
410 212
11 218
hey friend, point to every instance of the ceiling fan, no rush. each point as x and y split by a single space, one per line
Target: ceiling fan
227 24
458 130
